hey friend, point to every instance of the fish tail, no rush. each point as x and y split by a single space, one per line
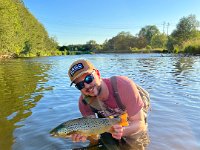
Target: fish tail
124 121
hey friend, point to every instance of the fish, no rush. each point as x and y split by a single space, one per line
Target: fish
90 127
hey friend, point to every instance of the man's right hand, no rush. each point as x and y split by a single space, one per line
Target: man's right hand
78 138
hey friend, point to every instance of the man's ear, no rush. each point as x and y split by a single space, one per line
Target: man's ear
98 73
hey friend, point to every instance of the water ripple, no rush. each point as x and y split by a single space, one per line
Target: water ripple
36 96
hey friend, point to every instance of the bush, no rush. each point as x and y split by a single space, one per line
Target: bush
192 49
176 49
192 46
148 47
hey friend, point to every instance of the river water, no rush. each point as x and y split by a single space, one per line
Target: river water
35 96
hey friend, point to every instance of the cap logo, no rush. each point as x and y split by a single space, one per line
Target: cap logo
76 68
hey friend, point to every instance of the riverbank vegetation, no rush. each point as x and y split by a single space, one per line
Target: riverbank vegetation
22 35
184 39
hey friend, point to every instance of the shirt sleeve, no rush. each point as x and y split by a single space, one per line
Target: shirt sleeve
84 108
129 95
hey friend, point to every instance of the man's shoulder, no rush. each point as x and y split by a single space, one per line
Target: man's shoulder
123 80
122 77
120 82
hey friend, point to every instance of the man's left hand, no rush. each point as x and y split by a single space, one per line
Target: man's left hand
117 131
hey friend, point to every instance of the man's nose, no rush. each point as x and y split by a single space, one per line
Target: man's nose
86 85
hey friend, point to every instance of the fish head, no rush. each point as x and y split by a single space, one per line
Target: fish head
60 131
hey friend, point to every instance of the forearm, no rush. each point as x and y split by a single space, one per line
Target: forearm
134 127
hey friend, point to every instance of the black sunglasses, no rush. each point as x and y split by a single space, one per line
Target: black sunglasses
88 79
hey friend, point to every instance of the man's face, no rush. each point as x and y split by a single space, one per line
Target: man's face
93 88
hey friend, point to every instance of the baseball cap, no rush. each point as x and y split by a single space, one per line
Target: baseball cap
78 68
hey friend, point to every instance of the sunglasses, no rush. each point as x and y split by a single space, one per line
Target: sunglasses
88 79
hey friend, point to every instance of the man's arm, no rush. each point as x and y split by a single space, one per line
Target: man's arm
136 125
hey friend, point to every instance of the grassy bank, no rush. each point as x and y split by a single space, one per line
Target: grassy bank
192 47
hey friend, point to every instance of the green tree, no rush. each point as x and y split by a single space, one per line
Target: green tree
159 41
108 44
11 29
91 45
122 42
141 42
171 44
148 32
186 29
21 33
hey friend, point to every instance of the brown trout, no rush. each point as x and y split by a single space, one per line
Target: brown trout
88 126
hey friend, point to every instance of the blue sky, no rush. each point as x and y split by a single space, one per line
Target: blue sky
78 21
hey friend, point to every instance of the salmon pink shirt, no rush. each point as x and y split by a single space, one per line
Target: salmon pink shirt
128 93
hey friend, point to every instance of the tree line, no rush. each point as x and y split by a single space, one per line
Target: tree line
184 39
21 34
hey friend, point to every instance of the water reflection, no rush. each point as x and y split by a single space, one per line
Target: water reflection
20 90
35 96
183 68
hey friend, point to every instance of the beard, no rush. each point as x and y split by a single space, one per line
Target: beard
99 90
96 90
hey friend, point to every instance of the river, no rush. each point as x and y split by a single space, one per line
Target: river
35 96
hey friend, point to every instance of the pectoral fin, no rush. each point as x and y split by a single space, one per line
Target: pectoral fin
124 119
94 139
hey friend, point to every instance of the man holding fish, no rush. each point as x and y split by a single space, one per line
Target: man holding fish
109 98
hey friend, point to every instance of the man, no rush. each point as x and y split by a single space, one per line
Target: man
98 96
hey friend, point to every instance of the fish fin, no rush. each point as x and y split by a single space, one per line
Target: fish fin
111 130
124 121
94 137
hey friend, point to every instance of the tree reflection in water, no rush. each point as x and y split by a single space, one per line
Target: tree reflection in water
19 79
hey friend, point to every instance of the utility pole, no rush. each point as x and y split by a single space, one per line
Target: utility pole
167 27
163 27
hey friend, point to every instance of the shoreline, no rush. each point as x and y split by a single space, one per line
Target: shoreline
7 56
12 56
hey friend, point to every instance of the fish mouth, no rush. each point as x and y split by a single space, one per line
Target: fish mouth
56 135
53 133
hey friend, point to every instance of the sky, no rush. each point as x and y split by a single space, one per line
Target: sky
79 21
